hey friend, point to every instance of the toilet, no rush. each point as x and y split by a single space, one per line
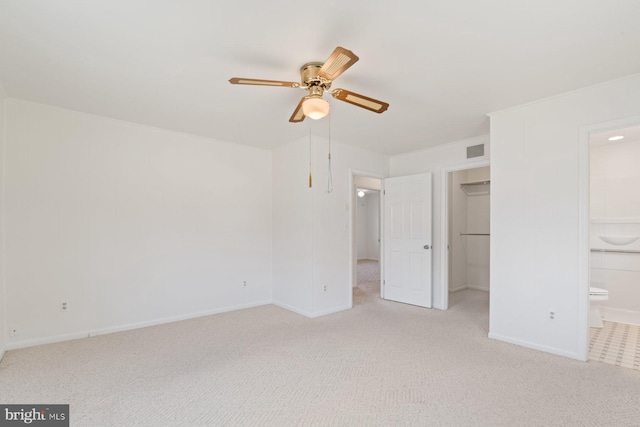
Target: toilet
596 296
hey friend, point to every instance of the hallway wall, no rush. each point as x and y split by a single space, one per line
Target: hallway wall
368 225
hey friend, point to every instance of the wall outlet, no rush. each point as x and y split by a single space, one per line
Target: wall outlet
552 314
14 330
244 283
325 288
64 306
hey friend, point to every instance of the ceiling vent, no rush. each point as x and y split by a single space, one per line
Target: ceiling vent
475 151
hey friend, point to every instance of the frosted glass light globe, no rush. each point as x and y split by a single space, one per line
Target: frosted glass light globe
315 107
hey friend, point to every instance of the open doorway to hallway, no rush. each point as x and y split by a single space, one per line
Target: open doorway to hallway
367 229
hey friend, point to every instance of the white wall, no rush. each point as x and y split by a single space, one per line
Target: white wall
615 211
458 224
615 180
368 225
130 225
362 219
439 160
292 227
311 226
536 215
3 308
331 229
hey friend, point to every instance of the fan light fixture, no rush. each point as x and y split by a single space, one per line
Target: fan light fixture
316 78
315 107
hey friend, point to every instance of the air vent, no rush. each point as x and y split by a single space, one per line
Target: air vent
475 151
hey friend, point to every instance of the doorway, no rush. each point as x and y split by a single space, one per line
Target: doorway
614 247
468 217
367 238
404 233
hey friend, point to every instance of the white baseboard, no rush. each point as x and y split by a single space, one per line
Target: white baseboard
291 308
619 315
47 340
91 333
313 314
535 346
139 325
329 311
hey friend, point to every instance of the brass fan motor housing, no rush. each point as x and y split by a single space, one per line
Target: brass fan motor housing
309 76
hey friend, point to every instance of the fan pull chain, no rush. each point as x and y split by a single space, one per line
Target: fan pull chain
329 175
310 158
330 179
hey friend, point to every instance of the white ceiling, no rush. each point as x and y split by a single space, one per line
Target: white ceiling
442 65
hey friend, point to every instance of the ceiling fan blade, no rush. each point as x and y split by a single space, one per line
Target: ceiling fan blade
258 82
298 114
339 61
360 100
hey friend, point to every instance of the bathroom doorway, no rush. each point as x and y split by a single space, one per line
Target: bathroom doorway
469 241
614 247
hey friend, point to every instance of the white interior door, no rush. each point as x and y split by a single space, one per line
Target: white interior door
407 239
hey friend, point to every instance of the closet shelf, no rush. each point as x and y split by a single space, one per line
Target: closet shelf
476 188
475 234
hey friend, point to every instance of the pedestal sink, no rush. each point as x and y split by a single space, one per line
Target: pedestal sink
619 240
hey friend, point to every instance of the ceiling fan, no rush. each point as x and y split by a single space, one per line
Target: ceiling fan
316 78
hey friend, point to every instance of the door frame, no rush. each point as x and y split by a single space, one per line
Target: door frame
584 201
353 258
445 184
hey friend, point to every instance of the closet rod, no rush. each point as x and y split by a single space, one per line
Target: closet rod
618 251
474 234
475 183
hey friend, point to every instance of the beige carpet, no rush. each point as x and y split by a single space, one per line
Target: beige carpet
368 282
381 363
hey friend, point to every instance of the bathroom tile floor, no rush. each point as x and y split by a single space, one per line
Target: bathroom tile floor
616 344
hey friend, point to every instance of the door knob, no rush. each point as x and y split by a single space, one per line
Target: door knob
426 246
